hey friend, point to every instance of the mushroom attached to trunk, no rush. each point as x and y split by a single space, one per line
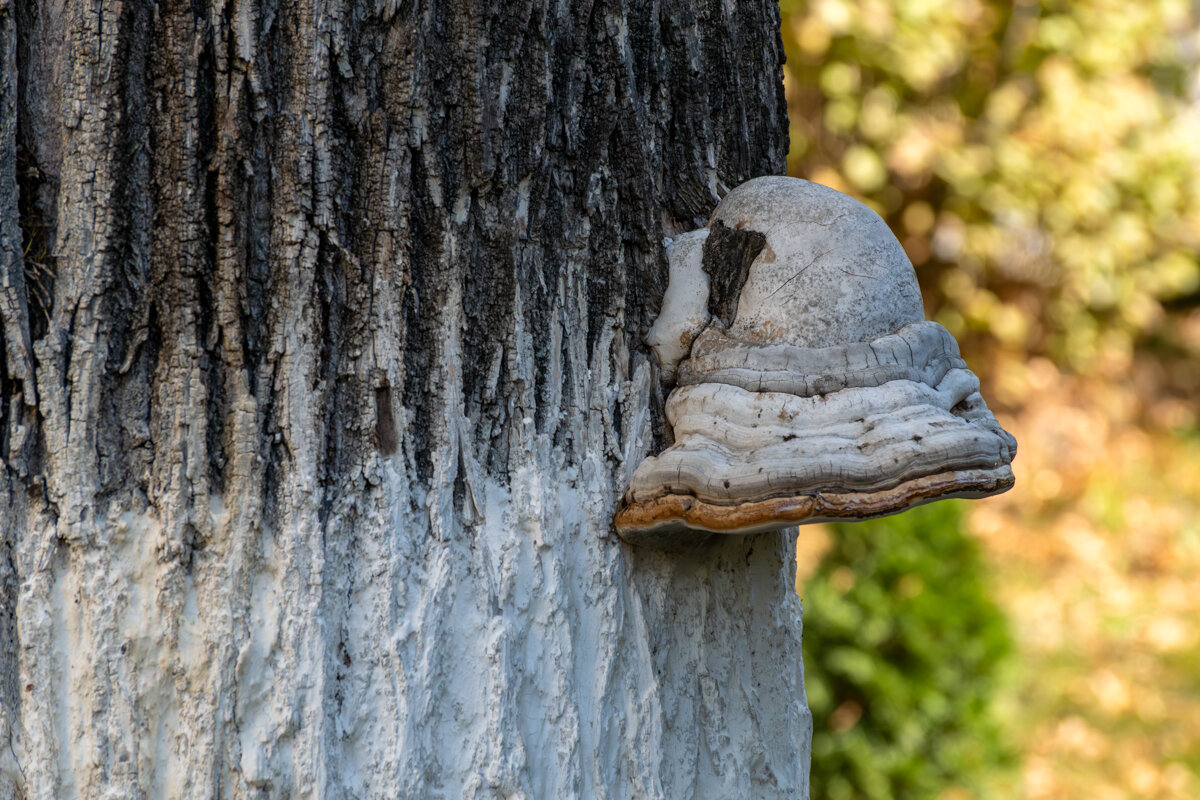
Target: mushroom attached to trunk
809 386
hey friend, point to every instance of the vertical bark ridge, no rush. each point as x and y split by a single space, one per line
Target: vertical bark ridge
18 398
284 231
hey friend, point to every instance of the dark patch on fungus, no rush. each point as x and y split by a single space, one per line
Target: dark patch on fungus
728 254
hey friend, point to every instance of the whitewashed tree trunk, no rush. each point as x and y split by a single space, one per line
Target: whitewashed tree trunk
322 370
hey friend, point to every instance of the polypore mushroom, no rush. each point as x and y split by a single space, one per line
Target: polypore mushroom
813 388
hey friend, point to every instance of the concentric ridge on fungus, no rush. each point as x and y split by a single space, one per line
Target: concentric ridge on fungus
828 396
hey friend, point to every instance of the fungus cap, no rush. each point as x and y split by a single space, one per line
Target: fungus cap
825 396
829 273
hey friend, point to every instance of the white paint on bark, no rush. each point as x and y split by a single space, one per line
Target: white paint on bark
514 650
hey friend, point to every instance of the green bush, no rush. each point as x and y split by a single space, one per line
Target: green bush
901 650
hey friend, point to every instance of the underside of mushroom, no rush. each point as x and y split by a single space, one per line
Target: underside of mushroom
818 392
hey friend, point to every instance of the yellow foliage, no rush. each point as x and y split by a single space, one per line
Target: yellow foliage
1040 162
1055 143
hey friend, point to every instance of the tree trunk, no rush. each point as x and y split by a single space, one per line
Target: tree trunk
321 373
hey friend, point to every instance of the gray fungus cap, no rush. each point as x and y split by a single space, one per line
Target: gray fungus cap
825 395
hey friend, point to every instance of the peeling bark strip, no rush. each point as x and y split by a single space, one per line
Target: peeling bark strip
313 426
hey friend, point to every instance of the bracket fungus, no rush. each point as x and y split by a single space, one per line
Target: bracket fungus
809 386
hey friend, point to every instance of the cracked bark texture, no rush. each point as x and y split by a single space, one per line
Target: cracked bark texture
321 372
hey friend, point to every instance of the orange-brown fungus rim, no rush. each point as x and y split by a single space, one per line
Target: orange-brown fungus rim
678 512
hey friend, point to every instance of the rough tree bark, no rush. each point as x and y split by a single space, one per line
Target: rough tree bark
321 373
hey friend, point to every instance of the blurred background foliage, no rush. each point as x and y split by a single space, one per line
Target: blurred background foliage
903 658
1037 159
1040 163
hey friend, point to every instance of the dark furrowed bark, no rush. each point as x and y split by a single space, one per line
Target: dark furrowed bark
325 283
17 401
